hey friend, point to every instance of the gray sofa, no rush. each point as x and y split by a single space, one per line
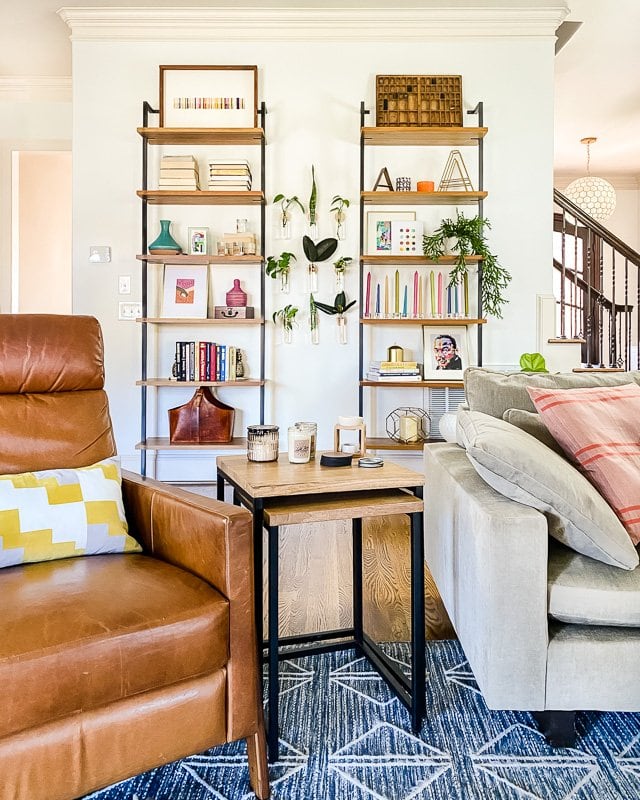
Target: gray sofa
547 626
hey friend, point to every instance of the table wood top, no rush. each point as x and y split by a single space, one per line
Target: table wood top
282 479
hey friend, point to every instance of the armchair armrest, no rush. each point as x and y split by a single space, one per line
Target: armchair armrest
213 540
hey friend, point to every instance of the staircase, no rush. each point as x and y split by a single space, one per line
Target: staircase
594 311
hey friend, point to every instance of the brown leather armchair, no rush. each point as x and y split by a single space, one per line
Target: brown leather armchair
113 664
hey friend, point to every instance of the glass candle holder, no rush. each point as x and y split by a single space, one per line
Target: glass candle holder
312 429
262 442
299 442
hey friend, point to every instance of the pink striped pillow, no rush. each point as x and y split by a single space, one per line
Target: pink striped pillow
599 429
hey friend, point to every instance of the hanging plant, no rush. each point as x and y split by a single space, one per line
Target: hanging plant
313 200
313 321
316 252
338 309
286 316
338 205
286 203
280 266
340 267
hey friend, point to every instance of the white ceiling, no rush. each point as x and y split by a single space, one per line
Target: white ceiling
597 71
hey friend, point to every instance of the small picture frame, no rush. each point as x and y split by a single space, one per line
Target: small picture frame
198 241
406 238
446 352
196 96
379 230
185 292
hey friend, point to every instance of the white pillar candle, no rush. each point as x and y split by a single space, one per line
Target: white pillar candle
408 428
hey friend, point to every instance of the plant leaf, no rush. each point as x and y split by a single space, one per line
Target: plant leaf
278 197
326 308
309 248
533 362
325 249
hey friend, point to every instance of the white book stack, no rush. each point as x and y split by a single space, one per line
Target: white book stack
229 175
179 173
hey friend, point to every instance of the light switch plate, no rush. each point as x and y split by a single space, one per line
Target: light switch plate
129 311
99 255
124 284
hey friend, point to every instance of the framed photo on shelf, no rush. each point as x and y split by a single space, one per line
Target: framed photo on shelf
195 96
185 292
198 241
406 238
446 351
379 230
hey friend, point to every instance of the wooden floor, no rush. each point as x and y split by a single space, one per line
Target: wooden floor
315 580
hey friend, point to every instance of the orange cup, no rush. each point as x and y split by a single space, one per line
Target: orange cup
425 186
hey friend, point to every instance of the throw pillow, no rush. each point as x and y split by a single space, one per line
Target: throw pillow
60 513
523 469
533 424
600 430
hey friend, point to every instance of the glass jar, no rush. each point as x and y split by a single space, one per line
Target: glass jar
312 429
299 442
262 442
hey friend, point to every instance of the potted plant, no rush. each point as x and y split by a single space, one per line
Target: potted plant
313 201
466 237
338 309
286 316
280 266
338 205
286 203
316 252
533 362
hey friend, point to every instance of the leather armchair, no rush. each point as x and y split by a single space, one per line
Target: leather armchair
111 665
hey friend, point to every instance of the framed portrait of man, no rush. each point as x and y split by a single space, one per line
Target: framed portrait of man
446 351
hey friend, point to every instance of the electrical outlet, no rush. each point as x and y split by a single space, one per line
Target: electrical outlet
124 284
129 311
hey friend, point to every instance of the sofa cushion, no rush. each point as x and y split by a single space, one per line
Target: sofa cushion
61 513
532 424
494 392
587 592
520 467
599 429
66 647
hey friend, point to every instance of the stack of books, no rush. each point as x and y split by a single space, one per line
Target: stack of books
205 361
178 172
394 371
229 175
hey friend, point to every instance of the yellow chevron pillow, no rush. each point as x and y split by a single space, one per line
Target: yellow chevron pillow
60 513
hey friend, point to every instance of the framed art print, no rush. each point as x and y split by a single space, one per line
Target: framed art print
446 351
194 96
198 241
379 230
406 238
185 292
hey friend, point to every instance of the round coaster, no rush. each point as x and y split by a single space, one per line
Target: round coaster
336 459
371 462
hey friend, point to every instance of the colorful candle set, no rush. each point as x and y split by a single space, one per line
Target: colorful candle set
442 299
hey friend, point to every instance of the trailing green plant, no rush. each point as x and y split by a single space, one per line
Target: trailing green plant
319 251
339 306
533 362
338 205
342 263
285 205
468 233
313 199
286 316
276 266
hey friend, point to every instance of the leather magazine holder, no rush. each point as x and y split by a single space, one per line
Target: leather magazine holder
204 419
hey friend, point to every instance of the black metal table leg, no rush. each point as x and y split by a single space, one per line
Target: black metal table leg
272 669
220 486
356 528
418 700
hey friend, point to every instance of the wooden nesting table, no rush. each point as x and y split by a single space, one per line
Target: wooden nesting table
279 493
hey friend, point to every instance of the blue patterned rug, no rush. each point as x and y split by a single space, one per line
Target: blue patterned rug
344 736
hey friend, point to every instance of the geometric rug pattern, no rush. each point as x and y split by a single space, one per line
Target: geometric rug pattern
345 736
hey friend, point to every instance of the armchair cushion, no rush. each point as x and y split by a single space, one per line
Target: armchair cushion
67 647
54 514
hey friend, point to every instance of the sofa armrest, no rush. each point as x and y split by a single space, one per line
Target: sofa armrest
488 557
213 540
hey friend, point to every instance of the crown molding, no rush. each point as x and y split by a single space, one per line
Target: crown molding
379 23
27 88
618 180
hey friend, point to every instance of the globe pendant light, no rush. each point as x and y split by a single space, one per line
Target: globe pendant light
595 196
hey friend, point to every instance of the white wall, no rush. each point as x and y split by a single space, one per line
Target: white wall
313 91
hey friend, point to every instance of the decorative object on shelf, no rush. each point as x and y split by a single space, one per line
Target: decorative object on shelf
350 424
395 353
198 241
594 196
383 181
338 309
203 420
408 425
299 445
403 184
165 243
286 316
313 205
394 371
338 205
533 362
468 233
340 267
263 442
406 237
446 352
196 96
240 371
280 266
286 203
241 225
185 292
455 176
313 321
233 312
425 186
413 100
236 297
379 239
316 252
312 429
237 244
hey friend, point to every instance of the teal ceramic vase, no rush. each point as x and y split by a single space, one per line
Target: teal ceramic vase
165 243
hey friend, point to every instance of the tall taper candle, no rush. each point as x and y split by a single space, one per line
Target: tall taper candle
367 306
397 294
440 294
377 300
465 282
386 295
420 299
432 285
415 293
405 310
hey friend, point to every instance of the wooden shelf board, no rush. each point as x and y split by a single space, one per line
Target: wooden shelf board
187 259
382 198
385 443
421 135
167 382
200 197
598 369
444 384
409 261
566 340
191 321
202 135
163 443
449 321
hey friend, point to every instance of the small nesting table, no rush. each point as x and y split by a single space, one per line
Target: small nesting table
279 493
